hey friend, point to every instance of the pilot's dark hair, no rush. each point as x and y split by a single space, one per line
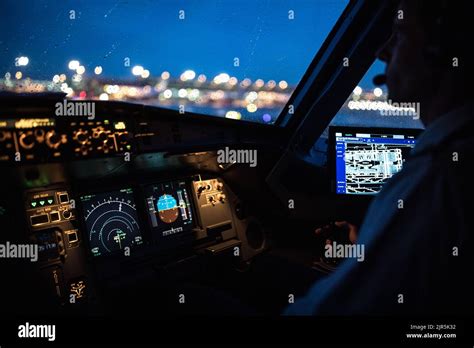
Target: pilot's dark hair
447 25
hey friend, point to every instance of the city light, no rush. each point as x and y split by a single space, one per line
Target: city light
137 70
251 97
188 75
21 61
259 83
233 81
221 78
266 118
378 92
229 96
73 64
182 93
251 107
283 84
235 115
168 93
358 91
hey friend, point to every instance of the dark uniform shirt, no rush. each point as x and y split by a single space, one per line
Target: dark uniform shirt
418 236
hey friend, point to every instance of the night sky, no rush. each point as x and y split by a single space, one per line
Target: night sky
150 33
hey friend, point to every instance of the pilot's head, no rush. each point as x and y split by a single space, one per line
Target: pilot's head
428 58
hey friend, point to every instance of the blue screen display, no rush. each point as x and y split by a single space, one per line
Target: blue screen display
364 162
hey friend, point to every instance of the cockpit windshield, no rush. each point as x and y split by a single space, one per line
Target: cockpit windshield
236 59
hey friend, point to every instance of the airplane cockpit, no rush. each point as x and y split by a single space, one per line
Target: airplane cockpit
188 159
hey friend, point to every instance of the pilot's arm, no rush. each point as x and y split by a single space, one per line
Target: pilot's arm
416 250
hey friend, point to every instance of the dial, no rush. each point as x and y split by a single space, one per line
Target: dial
111 221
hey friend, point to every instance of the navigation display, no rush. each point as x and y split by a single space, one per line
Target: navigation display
169 208
111 221
366 159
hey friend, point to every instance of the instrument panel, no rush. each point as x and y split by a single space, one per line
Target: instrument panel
34 140
111 221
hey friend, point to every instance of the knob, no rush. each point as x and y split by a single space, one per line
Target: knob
81 137
67 214
3 136
219 186
53 140
200 189
27 140
221 198
123 137
102 136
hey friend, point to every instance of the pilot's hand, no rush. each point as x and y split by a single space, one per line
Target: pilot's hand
340 231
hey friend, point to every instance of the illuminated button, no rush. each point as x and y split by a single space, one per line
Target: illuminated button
63 197
67 214
39 219
72 236
54 216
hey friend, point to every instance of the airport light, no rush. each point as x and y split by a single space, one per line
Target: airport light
22 61
137 70
74 64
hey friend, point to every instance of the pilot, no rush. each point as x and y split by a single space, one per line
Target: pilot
417 236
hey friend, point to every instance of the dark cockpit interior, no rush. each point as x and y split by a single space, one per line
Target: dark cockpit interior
169 193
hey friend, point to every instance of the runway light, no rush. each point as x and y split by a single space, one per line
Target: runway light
145 74
18 75
98 70
137 70
165 75
378 91
73 64
81 69
358 91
